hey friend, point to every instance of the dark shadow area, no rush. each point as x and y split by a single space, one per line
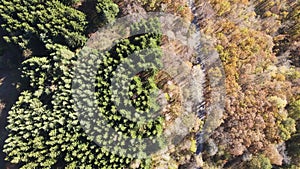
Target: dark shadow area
89 8
8 96
36 48
10 59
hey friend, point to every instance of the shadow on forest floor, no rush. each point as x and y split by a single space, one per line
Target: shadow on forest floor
9 77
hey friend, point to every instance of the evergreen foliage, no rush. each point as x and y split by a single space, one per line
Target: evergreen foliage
43 125
126 77
44 128
107 10
69 2
49 21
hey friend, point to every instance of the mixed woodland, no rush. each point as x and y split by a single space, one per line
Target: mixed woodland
257 43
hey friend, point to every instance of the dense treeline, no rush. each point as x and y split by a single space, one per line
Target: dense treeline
47 21
114 87
259 91
285 27
44 129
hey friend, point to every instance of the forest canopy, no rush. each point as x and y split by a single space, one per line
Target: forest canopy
257 43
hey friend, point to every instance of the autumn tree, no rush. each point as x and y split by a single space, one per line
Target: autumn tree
255 116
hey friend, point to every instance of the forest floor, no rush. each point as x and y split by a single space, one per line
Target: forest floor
8 96
9 78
